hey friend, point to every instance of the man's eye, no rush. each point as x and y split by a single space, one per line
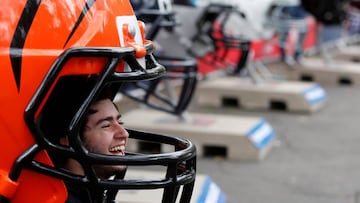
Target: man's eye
120 122
105 125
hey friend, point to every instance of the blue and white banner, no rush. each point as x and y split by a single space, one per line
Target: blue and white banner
261 134
211 193
315 94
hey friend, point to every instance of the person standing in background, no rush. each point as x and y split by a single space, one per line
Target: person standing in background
330 17
288 15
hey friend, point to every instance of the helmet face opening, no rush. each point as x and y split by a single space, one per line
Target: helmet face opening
54 79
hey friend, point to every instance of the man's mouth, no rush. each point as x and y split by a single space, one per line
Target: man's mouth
118 150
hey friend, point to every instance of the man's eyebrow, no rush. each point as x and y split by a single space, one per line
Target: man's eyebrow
109 118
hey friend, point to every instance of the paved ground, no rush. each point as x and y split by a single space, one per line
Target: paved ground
316 158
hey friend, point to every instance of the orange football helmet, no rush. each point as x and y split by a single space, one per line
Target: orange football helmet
69 51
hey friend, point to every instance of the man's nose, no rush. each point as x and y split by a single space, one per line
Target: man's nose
121 131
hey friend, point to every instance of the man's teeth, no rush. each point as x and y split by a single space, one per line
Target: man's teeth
117 148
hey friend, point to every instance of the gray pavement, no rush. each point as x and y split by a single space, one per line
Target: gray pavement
315 158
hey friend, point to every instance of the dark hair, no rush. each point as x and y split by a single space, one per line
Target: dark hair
63 103
106 93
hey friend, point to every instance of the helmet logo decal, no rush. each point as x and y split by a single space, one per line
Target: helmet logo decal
86 8
18 41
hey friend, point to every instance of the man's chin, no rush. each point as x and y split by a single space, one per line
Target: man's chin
120 169
111 171
120 172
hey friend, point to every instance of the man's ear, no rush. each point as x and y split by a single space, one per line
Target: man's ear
64 141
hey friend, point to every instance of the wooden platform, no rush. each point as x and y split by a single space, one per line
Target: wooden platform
205 190
240 92
231 137
316 70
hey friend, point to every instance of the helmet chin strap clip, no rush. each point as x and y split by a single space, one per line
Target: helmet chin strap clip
129 33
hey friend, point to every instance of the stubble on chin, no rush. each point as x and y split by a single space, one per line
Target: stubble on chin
107 171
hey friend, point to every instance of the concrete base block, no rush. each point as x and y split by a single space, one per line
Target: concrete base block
205 190
232 137
316 70
349 53
241 92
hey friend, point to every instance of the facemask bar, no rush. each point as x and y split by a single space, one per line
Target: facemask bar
158 19
155 93
159 94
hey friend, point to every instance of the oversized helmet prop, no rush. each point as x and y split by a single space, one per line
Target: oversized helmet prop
57 55
213 36
171 93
